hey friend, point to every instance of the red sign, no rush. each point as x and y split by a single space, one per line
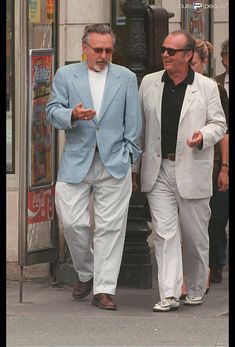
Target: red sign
41 129
40 205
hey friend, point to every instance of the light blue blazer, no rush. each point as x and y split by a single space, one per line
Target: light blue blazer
117 131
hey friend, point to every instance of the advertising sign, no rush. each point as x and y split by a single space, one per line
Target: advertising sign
40 205
41 132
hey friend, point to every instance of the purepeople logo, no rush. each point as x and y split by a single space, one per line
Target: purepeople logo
198 6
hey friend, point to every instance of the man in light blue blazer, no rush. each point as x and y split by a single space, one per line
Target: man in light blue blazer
96 103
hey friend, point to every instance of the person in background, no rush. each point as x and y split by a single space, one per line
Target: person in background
223 79
97 104
218 201
182 121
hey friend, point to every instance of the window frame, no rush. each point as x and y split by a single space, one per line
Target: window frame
12 168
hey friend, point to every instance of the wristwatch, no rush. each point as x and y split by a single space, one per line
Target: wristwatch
225 164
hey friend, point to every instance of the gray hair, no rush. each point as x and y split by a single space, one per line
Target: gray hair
102 29
190 40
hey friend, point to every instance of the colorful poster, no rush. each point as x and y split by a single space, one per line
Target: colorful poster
40 205
41 170
195 18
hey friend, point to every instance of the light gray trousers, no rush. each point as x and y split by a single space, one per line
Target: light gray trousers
175 219
111 201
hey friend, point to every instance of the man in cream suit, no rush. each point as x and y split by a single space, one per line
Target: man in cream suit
97 104
182 120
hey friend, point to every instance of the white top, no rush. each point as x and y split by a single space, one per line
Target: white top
97 83
226 83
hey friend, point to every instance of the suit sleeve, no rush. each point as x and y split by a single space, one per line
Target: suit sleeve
136 165
132 126
57 108
224 102
215 127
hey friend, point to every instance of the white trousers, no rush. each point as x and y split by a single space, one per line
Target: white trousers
111 201
172 215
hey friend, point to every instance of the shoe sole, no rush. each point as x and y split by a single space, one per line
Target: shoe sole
96 303
167 310
192 304
183 296
82 296
108 308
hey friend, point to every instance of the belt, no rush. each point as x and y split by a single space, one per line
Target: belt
170 156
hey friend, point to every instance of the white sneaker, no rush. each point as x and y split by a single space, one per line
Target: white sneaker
167 304
193 300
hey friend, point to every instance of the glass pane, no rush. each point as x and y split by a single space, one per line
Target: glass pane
39 236
9 85
40 19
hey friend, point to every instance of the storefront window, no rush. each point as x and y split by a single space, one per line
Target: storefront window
41 36
41 17
10 160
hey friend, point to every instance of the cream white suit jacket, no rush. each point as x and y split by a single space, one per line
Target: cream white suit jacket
201 110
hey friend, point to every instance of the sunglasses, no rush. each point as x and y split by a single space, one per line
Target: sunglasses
171 51
99 50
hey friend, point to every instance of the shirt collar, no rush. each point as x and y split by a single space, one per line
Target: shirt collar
226 77
188 79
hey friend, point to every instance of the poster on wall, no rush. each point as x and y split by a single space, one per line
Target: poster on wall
196 18
41 133
50 11
34 11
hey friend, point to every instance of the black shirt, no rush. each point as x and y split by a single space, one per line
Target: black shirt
172 101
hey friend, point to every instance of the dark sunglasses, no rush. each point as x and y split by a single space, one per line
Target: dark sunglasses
99 50
171 51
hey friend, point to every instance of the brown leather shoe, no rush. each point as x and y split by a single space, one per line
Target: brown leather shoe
104 301
82 289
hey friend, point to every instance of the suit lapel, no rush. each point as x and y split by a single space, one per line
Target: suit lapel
112 84
188 99
81 85
158 98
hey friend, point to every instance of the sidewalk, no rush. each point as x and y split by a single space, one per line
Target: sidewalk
48 316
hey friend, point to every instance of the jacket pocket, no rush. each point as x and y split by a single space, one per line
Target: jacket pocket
116 147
